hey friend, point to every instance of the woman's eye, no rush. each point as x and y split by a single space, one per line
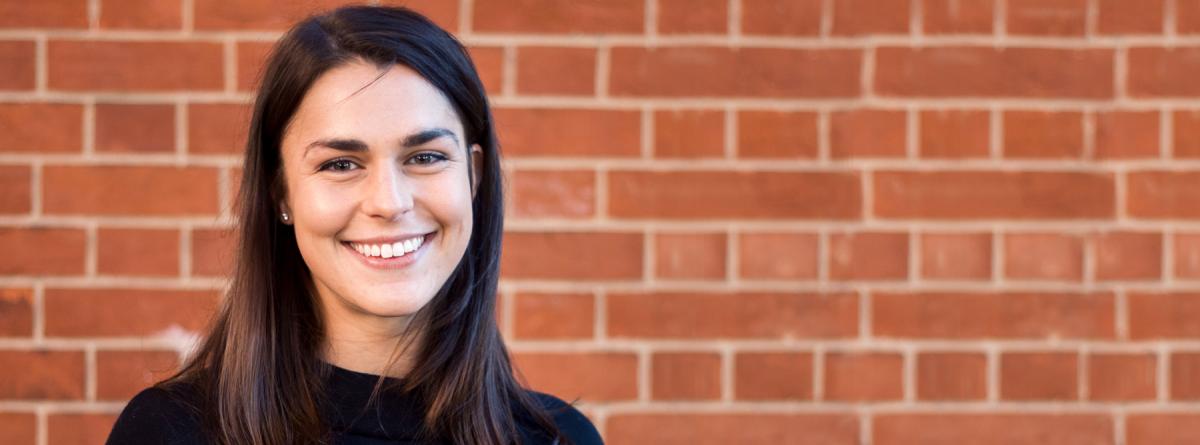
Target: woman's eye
340 165
427 158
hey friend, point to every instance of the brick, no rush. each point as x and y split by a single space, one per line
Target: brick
16 312
689 133
861 17
18 428
135 128
956 256
723 428
251 61
121 374
556 70
1162 72
954 134
15 189
138 252
690 255
1187 255
218 128
734 194
1154 315
554 315
572 255
213 252
950 376
78 428
129 190
261 15
1118 376
1163 194
591 376
1047 17
1149 428
868 256
442 12
1186 135
1043 256
679 315
979 316
1128 256
489 65
41 128
548 16
693 16
19 59
685 376
953 428
1184 367
976 71
782 256
1043 134
44 14
867 133
1129 17
1187 16
42 251
141 14
777 134
863 376
41 375
553 193
569 132
957 16
1022 195
83 65
1039 376
781 17
681 71
773 376
81 312
1127 134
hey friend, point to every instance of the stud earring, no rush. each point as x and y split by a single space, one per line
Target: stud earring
284 215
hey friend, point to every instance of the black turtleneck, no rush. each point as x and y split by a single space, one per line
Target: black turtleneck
158 416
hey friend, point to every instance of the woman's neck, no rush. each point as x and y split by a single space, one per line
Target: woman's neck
367 343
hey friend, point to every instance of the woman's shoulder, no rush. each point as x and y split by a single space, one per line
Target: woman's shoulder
569 420
159 415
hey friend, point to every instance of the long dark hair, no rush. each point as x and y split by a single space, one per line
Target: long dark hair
258 372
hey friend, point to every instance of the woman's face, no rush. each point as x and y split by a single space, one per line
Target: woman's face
377 189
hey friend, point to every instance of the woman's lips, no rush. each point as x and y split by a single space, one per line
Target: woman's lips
395 262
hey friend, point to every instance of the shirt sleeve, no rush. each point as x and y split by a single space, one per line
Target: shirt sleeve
154 416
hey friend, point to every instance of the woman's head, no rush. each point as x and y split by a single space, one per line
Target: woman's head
370 124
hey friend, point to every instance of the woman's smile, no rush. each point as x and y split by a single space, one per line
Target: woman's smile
391 253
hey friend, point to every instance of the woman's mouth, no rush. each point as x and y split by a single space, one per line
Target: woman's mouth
390 255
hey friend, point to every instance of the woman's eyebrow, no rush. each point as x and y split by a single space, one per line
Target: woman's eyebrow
354 145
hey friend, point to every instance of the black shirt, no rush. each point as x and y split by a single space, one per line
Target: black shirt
155 416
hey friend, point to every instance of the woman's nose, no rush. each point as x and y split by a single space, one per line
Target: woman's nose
388 193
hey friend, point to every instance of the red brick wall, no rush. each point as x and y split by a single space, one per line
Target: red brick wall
732 221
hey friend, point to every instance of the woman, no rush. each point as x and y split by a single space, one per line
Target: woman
362 306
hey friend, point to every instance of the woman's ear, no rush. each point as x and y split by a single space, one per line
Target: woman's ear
476 167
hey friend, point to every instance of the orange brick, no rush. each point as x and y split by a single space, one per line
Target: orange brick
1043 256
218 128
689 133
42 251
1162 428
685 376
948 376
548 16
1163 194
734 194
442 12
129 190
141 14
1128 256
554 315
138 252
994 194
1154 315
724 428
1184 368
213 252
1187 255
778 255
81 312
553 193
18 428
591 376
1122 376
121 374
489 65
725 72
41 375
1162 72
867 133
1186 137
1043 134
41 128
15 189
858 17
556 70
985 71
1187 16
693 16
690 255
569 132
954 134
954 428
251 61
16 312
135 128
1047 17
863 376
781 17
1129 17
773 376
572 255
1038 376
1009 315
777 134
868 256
72 428
19 59
255 14
81 65
957 16
1127 134
746 315
44 14
956 256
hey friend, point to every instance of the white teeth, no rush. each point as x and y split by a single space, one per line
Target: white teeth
385 250
397 249
375 251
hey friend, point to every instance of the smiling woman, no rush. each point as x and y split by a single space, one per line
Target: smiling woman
362 306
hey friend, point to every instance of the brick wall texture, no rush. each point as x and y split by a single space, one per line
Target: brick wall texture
730 221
